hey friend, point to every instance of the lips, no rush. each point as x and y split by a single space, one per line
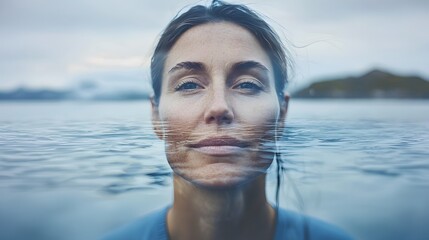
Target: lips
220 146
220 141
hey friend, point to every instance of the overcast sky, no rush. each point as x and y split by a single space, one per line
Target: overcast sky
58 44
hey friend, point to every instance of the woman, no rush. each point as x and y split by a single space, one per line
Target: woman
218 75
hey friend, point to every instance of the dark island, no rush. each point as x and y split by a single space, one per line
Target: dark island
32 94
24 94
374 84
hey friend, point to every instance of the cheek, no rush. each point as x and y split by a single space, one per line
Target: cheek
262 118
262 113
172 107
178 120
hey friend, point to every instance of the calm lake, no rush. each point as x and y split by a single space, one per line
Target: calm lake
74 170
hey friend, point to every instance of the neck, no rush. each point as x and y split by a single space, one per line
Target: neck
233 213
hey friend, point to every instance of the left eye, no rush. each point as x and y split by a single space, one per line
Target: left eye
248 85
188 86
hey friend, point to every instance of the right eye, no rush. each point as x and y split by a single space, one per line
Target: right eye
187 86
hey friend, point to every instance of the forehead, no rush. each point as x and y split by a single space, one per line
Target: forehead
217 45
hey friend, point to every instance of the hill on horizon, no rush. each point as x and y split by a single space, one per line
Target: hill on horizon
373 84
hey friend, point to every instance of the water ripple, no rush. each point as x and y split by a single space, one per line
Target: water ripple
121 156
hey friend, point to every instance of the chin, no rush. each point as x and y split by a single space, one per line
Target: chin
221 183
218 180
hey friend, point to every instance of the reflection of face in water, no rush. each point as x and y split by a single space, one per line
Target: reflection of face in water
218 109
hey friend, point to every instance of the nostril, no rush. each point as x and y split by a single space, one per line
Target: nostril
226 118
220 117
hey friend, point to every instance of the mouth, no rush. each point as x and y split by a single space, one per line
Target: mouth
220 146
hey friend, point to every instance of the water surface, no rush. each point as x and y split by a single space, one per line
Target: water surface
74 170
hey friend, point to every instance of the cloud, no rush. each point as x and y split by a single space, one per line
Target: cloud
82 15
55 43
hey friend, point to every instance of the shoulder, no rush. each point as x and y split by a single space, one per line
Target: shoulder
291 225
150 226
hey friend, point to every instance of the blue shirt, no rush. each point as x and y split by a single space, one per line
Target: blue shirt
289 225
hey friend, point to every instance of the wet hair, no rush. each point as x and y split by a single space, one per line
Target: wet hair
219 11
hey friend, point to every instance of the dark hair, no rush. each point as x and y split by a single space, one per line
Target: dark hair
220 11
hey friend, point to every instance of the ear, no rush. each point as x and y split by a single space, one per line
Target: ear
156 121
284 104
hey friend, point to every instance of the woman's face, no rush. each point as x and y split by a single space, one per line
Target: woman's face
218 111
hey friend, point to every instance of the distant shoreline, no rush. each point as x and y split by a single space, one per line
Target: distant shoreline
375 84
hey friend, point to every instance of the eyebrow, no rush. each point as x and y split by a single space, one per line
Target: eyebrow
193 66
247 65
236 67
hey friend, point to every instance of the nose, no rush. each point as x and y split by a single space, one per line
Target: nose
218 109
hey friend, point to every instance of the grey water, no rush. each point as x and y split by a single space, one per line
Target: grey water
74 170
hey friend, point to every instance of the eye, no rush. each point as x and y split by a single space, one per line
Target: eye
187 86
249 86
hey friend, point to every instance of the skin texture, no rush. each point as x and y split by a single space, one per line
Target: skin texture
218 82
